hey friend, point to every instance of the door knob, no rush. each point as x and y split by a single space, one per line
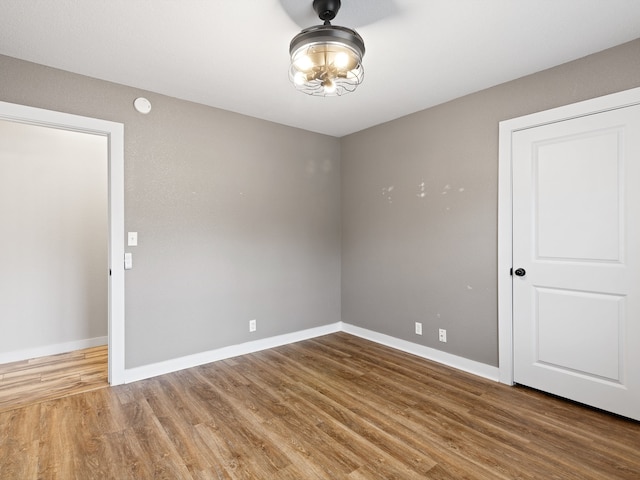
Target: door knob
520 272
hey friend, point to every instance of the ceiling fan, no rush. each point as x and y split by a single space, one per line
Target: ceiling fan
326 60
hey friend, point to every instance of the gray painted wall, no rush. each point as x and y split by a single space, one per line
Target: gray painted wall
237 218
53 247
240 218
419 211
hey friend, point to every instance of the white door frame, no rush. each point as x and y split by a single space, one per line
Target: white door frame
114 132
505 196
505 213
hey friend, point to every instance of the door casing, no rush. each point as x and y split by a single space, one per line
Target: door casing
505 214
115 140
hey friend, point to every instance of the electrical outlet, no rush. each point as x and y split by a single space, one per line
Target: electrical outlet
442 335
418 328
252 325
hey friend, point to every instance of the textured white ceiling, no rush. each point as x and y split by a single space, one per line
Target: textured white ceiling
233 54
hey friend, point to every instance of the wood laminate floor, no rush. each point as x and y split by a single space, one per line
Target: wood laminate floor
335 407
47 378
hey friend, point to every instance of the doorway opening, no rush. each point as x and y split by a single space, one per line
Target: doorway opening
112 136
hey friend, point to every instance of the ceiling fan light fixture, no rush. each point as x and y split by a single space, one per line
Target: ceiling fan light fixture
326 60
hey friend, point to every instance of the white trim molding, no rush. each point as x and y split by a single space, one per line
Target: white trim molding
505 196
189 361
444 358
46 350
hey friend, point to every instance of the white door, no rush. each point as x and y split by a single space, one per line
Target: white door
576 259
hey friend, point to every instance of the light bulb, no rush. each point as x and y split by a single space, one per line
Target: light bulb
299 78
329 86
303 63
341 60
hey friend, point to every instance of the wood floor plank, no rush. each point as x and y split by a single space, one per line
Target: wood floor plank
56 450
56 376
377 415
339 426
248 441
19 440
266 413
334 407
154 443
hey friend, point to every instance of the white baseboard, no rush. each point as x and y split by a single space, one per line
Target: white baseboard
168 366
46 350
460 363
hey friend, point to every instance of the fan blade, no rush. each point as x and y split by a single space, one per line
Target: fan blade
353 13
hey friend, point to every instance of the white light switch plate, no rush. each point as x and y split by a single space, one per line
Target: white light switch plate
132 239
128 261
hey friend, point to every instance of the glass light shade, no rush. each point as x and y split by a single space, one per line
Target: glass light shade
326 60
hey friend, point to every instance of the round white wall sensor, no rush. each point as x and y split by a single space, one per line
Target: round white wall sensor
142 105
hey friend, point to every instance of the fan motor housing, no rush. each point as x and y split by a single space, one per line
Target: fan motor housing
326 9
328 33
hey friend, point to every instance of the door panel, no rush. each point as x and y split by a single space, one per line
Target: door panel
579 332
577 195
576 232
